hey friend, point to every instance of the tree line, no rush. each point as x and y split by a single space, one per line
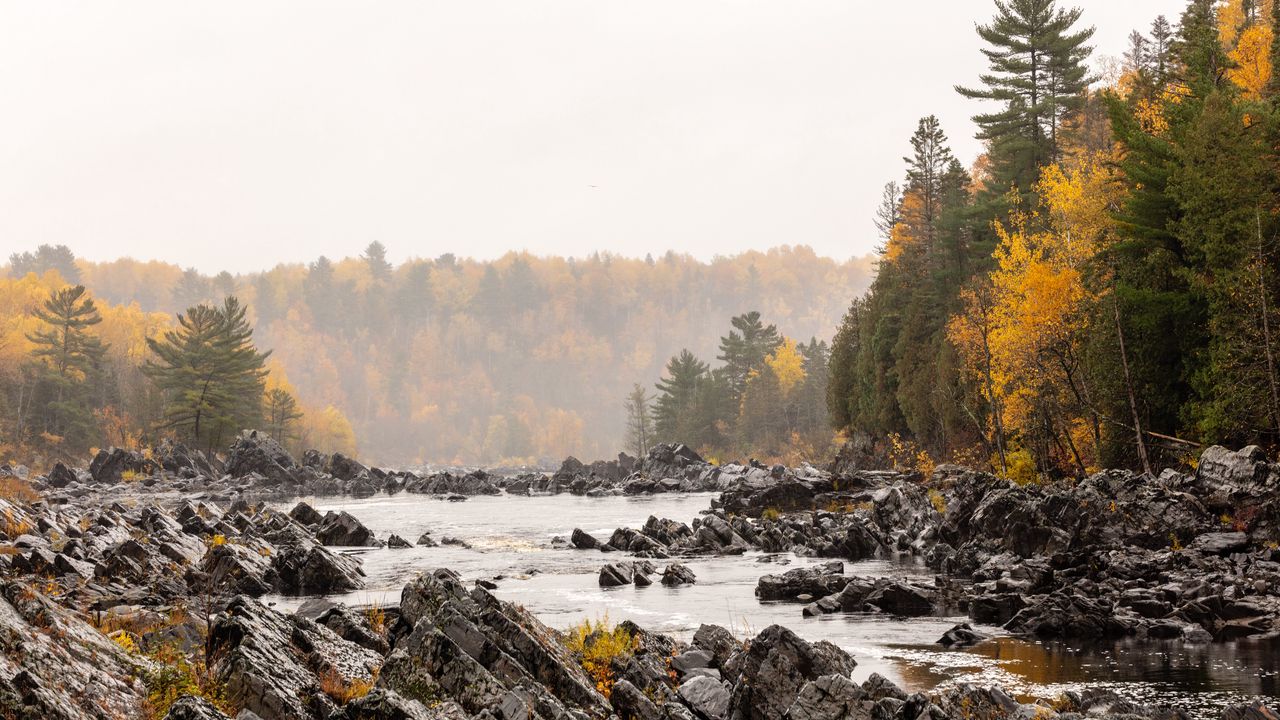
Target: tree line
1098 288
448 359
78 376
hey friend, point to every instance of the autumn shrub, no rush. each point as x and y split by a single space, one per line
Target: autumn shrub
939 501
15 489
175 676
341 690
1022 467
13 525
771 514
599 646
377 619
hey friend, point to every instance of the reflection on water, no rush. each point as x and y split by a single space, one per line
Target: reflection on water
511 539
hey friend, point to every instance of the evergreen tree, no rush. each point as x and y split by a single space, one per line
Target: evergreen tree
68 365
44 259
210 373
1037 74
319 290
191 289
375 256
281 413
639 421
842 385
744 349
1202 61
413 296
811 398
676 403
1158 51
763 422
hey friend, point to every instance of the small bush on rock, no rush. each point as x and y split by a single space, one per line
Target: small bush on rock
598 646
175 676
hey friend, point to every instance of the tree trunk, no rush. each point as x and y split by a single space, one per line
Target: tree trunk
1128 386
1266 329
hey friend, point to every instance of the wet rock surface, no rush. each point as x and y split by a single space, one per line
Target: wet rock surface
171 548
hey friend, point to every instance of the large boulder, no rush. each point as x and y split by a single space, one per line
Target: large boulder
255 452
304 567
768 676
342 529
115 464
816 581
484 654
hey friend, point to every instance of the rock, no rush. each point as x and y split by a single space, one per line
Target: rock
1220 543
484 654
1252 711
110 466
353 626
345 468
962 636
58 667
830 697
396 542
583 541
768 676
255 452
305 514
425 540
383 704
901 599
707 697
61 476
996 609
1063 615
303 567
717 641
191 707
677 574
270 662
344 530
818 580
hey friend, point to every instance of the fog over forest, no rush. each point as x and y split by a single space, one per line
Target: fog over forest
449 360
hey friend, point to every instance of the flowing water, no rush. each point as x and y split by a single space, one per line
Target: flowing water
510 542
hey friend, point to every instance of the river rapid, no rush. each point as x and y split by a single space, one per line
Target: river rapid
511 543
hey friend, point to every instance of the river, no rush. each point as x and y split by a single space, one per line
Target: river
510 541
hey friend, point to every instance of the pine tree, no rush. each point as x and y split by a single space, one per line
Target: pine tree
744 349
319 289
763 421
676 404
639 421
1202 61
191 289
210 373
281 413
1038 74
926 169
1158 65
375 256
44 259
69 365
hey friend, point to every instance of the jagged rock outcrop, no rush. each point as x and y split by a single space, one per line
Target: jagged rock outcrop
271 663
483 654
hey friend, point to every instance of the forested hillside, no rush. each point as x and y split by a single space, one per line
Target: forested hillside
1098 289
440 360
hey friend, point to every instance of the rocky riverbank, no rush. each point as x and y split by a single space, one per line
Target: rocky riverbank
132 583
1190 556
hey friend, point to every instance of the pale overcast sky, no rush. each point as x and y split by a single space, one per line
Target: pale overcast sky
243 133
